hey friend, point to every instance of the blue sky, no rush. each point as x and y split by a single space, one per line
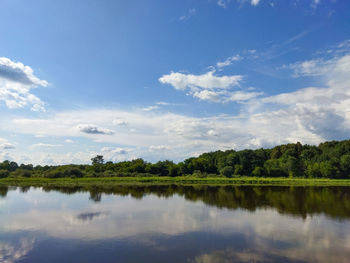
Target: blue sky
169 79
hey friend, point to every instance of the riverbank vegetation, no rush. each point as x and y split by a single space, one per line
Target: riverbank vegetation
329 160
105 183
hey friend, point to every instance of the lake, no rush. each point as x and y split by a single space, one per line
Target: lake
175 224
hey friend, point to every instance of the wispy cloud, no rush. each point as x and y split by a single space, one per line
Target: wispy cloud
47 145
150 108
159 148
254 2
315 3
296 37
190 13
223 3
228 61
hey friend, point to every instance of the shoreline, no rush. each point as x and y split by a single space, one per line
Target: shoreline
117 181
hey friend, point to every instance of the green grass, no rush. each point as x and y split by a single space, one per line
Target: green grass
110 181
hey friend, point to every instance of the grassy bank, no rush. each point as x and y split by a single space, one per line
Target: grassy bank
111 181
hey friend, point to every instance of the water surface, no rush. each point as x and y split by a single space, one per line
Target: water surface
175 224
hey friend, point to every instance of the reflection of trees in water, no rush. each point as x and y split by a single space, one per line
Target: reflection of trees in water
299 201
3 191
24 189
95 196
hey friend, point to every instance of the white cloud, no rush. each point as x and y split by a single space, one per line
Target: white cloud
93 129
47 145
185 135
6 146
207 95
322 67
159 148
191 12
315 3
206 86
163 103
16 83
68 141
150 108
119 122
254 2
117 154
228 61
114 150
223 3
208 80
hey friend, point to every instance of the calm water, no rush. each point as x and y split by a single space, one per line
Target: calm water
175 224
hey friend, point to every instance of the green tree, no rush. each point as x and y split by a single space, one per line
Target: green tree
238 169
227 171
259 171
345 165
98 159
328 170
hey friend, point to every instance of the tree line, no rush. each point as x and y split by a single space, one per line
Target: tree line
327 160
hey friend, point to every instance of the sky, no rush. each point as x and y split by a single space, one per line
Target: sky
170 79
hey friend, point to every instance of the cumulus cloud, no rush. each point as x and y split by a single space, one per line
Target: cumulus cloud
322 111
16 83
93 129
206 86
208 80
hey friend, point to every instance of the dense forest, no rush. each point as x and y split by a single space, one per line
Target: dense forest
327 160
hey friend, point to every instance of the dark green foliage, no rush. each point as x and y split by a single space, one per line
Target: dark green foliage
98 159
238 169
328 160
227 171
259 172
4 173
